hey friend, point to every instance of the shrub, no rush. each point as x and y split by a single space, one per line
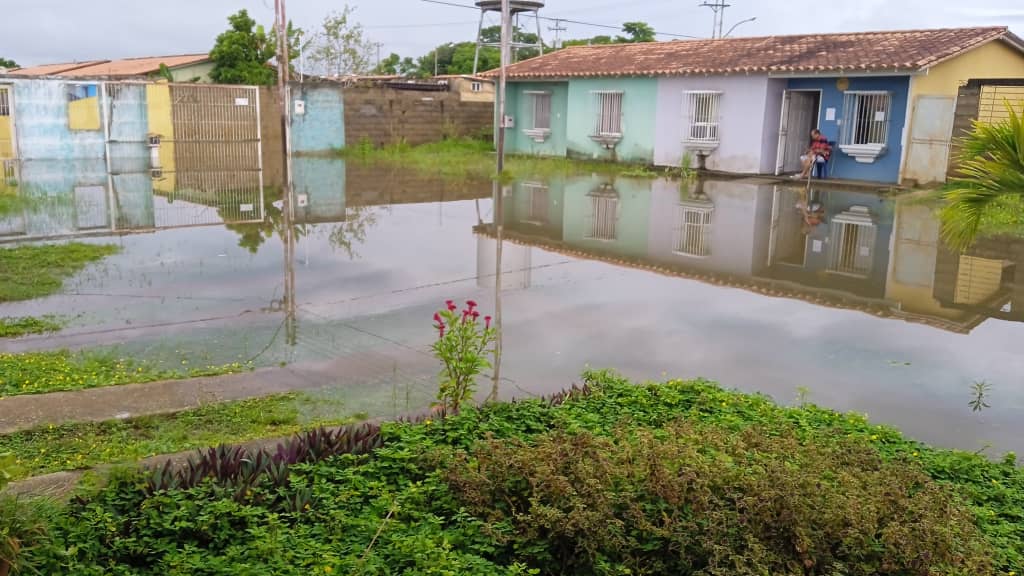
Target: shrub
698 499
463 347
22 530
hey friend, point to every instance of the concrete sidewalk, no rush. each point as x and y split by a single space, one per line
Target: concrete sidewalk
396 364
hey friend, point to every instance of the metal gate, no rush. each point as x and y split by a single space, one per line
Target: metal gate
931 133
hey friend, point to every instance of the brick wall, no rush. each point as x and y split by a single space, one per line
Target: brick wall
968 106
374 185
387 116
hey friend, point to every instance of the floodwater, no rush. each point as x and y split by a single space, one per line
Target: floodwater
855 300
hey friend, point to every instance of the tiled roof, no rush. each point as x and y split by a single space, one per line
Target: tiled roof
126 67
903 51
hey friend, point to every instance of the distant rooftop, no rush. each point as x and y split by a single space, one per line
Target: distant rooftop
891 51
126 67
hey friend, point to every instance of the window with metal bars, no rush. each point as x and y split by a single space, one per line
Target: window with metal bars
540 110
536 204
693 231
5 101
866 118
609 114
853 246
702 115
603 216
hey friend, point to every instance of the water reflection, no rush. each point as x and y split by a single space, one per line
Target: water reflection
836 247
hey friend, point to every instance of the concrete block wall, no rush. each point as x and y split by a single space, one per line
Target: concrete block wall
385 116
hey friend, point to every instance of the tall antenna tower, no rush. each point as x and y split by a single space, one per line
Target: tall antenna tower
718 7
529 7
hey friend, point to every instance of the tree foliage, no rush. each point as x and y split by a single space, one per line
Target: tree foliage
395 65
240 54
8 63
340 47
991 171
635 32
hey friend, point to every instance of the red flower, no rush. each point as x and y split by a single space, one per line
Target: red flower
471 304
437 317
487 321
450 304
474 314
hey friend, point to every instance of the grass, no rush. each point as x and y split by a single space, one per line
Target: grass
1003 217
423 503
466 159
83 445
63 370
25 325
28 272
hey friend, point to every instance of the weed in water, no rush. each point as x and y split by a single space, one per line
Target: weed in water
28 272
25 325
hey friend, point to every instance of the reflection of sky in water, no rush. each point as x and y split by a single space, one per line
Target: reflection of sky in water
368 285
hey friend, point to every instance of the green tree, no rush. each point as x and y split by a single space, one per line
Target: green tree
8 63
396 65
241 54
991 172
596 40
637 31
340 47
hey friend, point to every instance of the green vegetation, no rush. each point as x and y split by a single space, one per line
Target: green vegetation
82 445
241 54
61 370
678 478
991 182
467 159
28 272
25 325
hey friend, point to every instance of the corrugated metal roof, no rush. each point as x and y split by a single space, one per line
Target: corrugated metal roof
896 51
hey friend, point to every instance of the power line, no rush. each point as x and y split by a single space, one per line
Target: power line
563 20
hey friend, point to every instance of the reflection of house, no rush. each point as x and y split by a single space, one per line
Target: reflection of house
748 104
961 290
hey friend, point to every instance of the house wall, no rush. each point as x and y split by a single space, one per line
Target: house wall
993 60
742 119
464 88
384 116
321 128
886 168
319 185
639 100
735 240
44 132
516 210
158 116
633 216
187 73
517 104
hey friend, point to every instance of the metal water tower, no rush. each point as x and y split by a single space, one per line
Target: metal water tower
518 7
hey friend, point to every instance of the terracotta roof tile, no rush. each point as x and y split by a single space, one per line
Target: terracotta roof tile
126 67
907 50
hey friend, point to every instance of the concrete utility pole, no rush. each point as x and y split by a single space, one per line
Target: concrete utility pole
718 7
558 29
498 187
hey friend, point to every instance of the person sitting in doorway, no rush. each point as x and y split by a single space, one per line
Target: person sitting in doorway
818 152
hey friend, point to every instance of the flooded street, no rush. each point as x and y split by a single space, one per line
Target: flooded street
852 298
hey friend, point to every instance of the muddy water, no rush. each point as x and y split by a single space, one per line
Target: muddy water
844 293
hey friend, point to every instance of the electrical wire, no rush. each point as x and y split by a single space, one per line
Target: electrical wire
564 20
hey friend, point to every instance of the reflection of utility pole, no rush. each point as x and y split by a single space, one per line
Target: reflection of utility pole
558 29
718 7
506 57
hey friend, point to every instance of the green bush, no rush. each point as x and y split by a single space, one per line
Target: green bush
23 530
680 478
696 499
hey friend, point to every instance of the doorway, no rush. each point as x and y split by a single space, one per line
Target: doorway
801 110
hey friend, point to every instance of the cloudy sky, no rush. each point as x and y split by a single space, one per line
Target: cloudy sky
41 31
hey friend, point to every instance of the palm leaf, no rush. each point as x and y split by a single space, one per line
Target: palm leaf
991 168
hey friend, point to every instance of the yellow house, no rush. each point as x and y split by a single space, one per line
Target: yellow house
6 126
933 98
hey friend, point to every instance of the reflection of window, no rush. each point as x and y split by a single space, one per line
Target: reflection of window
83 107
536 209
603 214
866 118
853 242
693 230
609 114
703 116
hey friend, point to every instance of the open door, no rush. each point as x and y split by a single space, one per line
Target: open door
799 115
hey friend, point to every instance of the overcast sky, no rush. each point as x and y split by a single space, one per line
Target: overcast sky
44 31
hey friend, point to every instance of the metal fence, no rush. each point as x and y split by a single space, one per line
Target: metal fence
866 118
693 230
994 100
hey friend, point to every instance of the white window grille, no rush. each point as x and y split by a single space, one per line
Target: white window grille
536 209
702 115
540 110
609 114
853 242
693 230
5 101
603 215
476 87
